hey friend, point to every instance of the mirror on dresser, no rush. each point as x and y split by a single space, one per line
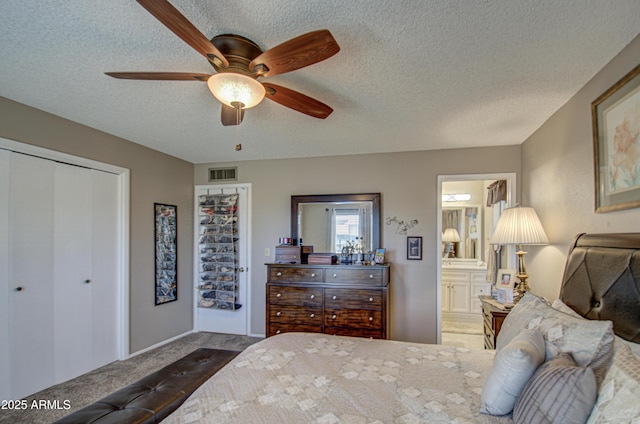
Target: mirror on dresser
328 221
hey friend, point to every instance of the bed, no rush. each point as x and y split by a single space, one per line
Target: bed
315 378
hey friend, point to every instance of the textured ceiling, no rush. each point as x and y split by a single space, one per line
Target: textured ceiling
411 75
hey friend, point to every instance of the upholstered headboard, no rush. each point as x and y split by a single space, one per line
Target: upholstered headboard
602 280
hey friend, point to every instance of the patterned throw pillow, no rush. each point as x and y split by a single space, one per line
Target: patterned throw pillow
618 397
560 392
589 342
512 368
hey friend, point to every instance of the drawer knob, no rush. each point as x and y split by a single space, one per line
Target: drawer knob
371 299
370 318
312 315
278 331
313 274
278 313
279 295
370 275
334 297
279 274
313 296
334 316
335 275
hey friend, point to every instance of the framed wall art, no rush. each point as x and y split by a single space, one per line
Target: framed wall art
166 253
414 248
616 141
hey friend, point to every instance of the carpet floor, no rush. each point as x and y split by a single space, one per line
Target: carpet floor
95 385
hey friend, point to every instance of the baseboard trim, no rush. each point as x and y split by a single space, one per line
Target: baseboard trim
157 345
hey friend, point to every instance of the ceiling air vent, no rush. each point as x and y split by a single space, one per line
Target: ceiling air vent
223 174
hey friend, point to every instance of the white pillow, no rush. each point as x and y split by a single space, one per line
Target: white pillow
618 396
589 342
512 368
619 341
559 305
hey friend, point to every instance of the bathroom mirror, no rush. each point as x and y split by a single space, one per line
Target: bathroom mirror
328 221
467 221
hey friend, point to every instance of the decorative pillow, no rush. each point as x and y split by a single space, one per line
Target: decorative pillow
559 305
589 342
512 368
618 396
560 391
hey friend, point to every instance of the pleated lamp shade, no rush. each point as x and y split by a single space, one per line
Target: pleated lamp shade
450 235
519 225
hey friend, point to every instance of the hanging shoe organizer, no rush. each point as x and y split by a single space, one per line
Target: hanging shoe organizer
218 251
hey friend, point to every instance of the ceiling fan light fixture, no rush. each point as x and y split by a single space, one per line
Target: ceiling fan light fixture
236 89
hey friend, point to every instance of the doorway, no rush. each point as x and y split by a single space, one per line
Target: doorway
461 272
232 274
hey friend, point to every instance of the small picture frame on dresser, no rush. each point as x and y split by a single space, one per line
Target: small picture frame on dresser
414 248
378 258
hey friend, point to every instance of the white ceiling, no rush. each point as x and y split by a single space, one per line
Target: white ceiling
411 74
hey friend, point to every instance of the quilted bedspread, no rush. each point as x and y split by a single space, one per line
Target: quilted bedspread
315 378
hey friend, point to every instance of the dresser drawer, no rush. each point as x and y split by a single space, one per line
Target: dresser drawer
371 277
279 328
354 318
371 333
352 299
295 275
297 296
295 315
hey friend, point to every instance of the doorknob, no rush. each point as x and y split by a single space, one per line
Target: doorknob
241 269
87 281
19 288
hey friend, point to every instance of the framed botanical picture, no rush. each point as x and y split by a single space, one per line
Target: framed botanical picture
506 278
616 141
166 253
414 248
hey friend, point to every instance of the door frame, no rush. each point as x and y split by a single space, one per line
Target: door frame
247 306
123 175
511 177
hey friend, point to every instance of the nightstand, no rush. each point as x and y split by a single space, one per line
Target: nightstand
493 315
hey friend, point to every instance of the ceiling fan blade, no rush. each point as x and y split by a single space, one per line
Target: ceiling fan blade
296 53
297 101
230 115
183 28
162 76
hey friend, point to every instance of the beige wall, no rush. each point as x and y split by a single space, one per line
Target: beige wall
558 178
155 177
408 183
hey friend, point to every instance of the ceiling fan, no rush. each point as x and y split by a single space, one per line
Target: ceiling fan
239 62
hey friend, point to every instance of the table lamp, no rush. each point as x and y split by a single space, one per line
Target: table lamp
451 235
518 226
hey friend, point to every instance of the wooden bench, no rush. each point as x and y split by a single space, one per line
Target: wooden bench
152 398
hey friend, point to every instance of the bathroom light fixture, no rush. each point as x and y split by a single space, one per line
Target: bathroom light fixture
236 90
519 225
458 197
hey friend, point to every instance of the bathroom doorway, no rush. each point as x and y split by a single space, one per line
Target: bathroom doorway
465 224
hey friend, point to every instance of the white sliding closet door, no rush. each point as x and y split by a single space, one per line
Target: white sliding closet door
5 352
105 290
31 291
63 286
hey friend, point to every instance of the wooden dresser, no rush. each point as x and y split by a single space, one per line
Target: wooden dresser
332 299
493 315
